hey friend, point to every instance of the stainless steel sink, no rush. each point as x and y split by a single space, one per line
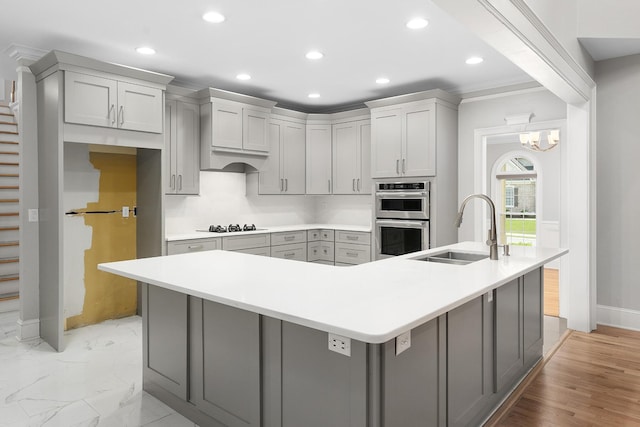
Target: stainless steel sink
453 257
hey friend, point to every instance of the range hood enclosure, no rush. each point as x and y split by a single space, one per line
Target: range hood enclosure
234 130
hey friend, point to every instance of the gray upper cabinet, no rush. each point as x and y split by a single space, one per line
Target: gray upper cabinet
318 162
404 140
182 137
284 170
351 145
108 102
235 127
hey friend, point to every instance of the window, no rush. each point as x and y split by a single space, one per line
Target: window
517 223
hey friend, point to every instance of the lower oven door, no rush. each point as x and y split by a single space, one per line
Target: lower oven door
399 237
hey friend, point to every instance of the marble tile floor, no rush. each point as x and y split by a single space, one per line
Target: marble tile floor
96 381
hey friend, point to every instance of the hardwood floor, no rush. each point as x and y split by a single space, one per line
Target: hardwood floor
551 292
591 380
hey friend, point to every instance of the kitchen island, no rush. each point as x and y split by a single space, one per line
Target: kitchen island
232 339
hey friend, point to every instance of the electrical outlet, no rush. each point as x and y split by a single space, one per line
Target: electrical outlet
403 342
340 344
125 212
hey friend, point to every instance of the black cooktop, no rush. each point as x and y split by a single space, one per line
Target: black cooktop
231 228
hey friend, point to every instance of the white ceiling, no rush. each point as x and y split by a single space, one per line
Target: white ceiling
361 39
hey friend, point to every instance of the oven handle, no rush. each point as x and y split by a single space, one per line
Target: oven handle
402 194
402 224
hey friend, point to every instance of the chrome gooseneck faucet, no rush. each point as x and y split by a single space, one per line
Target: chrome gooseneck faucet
492 241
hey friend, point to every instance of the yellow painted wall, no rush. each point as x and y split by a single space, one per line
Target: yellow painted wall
108 296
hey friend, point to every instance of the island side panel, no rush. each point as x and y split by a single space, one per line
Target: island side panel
321 388
165 339
414 381
533 316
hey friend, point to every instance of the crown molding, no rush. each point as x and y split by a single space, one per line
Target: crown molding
24 55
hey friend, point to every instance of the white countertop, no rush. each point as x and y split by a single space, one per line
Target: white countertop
371 302
274 229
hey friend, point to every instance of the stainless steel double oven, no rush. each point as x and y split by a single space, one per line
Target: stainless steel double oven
402 217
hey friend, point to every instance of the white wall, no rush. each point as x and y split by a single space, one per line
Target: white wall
227 197
618 186
81 186
490 112
561 18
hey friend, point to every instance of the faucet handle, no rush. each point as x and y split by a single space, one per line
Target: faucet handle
505 250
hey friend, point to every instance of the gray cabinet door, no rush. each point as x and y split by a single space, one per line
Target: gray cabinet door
533 316
469 361
225 363
509 357
165 339
414 381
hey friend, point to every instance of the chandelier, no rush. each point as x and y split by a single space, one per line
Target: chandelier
531 140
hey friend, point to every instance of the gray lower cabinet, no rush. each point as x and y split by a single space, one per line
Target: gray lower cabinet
225 363
223 366
509 351
469 361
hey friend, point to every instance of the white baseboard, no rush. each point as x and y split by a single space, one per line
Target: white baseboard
28 329
618 317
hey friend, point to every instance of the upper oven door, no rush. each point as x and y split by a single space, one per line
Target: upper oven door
402 205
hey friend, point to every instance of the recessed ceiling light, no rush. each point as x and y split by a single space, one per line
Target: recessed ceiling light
145 50
474 60
213 17
314 95
243 76
382 80
314 54
417 23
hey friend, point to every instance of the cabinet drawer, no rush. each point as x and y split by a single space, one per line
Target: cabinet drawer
195 245
296 251
264 251
325 235
233 243
350 253
357 237
288 237
320 251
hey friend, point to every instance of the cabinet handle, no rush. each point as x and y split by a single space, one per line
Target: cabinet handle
289 238
397 167
286 184
352 237
289 254
352 254
404 166
179 182
329 185
358 184
121 115
173 181
112 114
194 247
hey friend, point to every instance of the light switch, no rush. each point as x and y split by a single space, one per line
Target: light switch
125 212
33 215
